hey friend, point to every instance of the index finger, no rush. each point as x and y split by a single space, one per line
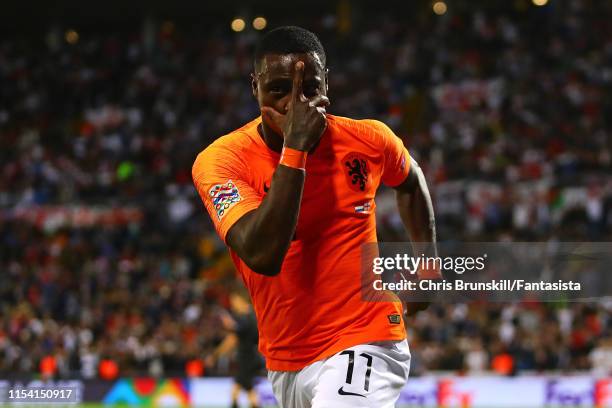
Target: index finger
298 77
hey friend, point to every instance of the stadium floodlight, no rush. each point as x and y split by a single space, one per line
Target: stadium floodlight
259 23
439 7
72 37
238 24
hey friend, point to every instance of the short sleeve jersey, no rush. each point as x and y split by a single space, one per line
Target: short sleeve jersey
314 307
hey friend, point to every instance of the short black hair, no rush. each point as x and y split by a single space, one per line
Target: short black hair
289 40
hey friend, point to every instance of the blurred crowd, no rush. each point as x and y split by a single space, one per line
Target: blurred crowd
507 110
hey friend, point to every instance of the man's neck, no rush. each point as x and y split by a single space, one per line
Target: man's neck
273 140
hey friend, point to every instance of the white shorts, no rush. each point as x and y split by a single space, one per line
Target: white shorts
368 375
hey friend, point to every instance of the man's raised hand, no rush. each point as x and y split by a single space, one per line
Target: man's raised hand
305 121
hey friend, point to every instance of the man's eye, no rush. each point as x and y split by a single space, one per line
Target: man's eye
278 90
311 91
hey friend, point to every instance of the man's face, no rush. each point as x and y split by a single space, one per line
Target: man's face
273 80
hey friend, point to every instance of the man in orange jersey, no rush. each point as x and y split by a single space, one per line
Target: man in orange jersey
292 195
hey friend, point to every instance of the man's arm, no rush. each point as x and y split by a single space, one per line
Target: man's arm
416 210
262 237
229 343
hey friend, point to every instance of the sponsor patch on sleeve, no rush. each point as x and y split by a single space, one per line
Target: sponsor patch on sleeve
394 318
223 197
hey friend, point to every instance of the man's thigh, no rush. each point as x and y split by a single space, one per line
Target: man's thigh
293 389
283 385
369 375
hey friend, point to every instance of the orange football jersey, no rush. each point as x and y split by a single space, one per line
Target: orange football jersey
313 308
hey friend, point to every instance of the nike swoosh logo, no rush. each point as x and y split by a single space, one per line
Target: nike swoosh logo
342 392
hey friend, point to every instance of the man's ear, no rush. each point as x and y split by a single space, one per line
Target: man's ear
254 84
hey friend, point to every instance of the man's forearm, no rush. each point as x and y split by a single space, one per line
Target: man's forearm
227 345
416 210
261 238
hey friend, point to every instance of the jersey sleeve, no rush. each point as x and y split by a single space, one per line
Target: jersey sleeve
219 177
396 163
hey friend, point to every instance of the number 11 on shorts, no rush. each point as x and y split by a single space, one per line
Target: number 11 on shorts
349 371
